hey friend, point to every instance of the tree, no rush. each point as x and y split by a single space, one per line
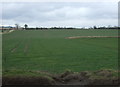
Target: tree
16 26
26 26
94 27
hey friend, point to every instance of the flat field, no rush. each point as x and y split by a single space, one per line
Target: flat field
51 51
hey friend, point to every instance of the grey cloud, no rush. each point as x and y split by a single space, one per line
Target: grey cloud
54 13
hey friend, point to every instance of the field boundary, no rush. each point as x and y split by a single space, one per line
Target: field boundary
7 32
76 37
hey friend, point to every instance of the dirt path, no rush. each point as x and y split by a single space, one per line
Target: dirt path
76 37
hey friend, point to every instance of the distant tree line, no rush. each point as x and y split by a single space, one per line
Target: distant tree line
115 27
59 28
44 28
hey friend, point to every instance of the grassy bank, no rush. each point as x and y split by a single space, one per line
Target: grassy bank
101 77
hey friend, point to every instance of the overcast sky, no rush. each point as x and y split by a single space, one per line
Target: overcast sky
64 14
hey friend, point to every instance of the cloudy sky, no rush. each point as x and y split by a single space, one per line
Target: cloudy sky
64 14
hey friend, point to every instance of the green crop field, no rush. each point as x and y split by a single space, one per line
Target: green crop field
50 51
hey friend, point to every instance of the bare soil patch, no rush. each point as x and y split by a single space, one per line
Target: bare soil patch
14 49
76 37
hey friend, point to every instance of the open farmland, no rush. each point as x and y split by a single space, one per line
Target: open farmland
51 51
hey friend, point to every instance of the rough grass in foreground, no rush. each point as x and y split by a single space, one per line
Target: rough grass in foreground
101 77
